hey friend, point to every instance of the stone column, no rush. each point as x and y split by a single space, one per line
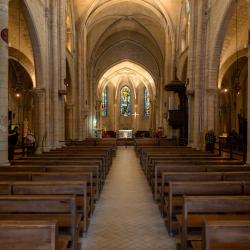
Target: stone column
212 109
190 117
115 117
248 101
199 81
42 133
69 126
4 83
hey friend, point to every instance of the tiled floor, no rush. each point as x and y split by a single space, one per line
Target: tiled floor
126 218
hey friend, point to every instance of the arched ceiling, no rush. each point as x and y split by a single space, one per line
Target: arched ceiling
120 30
127 72
229 45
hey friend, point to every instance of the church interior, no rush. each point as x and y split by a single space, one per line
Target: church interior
124 124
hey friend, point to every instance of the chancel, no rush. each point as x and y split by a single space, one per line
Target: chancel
124 124
125 134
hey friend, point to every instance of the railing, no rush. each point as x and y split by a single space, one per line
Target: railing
233 149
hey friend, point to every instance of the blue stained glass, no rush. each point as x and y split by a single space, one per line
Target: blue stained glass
147 106
104 103
125 101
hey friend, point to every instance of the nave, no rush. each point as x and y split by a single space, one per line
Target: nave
126 216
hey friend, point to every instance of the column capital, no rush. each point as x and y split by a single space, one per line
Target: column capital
70 106
213 91
190 92
40 92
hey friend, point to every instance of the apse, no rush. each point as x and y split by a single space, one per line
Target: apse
125 98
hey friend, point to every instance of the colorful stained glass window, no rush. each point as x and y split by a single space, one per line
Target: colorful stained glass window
187 7
125 101
147 106
104 103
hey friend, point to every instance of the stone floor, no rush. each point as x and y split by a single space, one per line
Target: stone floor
126 218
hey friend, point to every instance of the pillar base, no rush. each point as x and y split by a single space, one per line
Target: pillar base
4 163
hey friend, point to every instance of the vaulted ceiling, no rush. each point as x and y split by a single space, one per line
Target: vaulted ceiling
131 30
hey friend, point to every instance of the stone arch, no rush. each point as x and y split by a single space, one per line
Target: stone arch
151 64
24 61
214 63
147 78
224 68
35 41
94 10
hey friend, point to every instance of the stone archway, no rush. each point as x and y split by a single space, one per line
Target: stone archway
141 84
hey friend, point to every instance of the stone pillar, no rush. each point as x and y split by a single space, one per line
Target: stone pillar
190 117
69 125
4 83
42 133
212 109
115 117
248 100
199 80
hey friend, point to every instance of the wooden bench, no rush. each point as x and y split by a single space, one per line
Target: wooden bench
197 209
76 188
161 173
59 160
58 208
159 156
93 168
167 177
224 235
55 176
31 235
177 189
189 162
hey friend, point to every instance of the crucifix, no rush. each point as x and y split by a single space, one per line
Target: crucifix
135 114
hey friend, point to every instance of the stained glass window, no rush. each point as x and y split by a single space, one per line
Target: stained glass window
125 101
104 103
187 7
147 106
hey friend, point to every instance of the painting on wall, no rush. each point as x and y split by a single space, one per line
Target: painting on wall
104 102
147 106
125 101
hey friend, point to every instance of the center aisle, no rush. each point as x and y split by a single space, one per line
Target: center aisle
126 218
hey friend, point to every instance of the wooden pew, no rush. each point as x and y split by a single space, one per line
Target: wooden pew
198 176
72 176
83 151
77 188
70 161
161 173
224 235
31 235
167 177
197 209
152 157
177 189
189 162
58 208
54 167
55 176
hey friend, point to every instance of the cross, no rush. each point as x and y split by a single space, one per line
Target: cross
135 114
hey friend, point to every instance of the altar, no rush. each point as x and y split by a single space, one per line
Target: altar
125 134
